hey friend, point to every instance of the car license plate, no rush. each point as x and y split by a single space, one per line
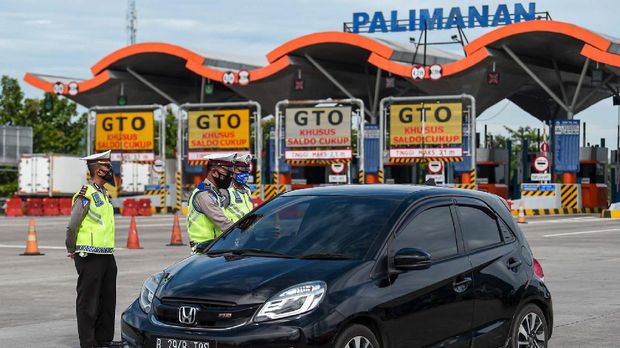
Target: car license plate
162 342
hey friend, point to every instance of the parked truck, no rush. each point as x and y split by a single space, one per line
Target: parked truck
50 175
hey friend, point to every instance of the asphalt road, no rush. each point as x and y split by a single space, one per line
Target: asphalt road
580 256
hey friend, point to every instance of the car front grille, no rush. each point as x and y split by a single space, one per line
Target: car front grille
209 314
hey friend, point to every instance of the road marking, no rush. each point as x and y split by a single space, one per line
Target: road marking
578 219
582 232
11 246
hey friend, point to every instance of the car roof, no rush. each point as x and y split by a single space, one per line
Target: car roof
386 191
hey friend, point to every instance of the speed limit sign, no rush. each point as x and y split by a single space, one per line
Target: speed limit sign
435 167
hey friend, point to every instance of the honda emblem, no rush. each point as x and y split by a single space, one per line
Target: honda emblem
187 315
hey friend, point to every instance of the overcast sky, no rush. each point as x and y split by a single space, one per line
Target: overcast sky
66 37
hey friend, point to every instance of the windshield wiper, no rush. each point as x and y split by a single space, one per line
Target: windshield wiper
249 252
326 257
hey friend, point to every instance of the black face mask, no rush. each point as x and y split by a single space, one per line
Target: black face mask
222 181
109 178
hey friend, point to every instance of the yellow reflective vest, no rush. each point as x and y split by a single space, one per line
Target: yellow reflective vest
199 227
240 203
96 232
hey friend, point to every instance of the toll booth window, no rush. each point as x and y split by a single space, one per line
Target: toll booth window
488 172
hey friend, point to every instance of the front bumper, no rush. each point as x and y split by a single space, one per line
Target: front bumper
139 329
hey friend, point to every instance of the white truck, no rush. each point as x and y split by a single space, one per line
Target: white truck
50 175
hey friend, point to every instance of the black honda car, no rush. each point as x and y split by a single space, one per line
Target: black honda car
353 267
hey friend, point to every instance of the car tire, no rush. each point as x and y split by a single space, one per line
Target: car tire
529 330
356 336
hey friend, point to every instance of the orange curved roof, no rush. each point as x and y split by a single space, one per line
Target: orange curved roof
595 47
330 37
83 86
147 47
567 29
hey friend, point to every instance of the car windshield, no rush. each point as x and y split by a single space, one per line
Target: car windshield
311 227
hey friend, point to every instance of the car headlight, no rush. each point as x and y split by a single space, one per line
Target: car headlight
296 300
148 291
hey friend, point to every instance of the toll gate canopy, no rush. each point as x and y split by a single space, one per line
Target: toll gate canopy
550 69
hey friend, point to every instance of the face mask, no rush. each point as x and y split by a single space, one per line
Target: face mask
242 178
222 181
109 178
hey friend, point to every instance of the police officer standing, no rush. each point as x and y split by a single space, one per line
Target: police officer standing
239 192
90 243
206 218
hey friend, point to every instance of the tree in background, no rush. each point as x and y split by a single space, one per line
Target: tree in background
58 129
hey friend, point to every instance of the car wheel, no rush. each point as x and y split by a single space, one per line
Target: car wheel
529 330
356 336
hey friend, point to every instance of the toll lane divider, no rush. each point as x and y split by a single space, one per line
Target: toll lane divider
610 214
558 211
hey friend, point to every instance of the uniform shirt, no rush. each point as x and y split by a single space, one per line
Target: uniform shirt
78 213
206 204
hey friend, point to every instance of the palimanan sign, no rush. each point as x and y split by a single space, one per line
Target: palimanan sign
438 18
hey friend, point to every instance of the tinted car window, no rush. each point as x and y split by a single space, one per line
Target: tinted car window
506 232
306 225
432 231
479 228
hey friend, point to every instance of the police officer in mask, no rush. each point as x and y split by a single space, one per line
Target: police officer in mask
90 243
239 192
206 218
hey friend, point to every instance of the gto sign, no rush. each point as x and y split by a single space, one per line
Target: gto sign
219 129
426 123
318 127
124 131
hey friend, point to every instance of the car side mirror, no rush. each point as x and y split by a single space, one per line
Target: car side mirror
412 259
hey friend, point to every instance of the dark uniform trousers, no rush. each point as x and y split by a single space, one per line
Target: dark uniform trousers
96 299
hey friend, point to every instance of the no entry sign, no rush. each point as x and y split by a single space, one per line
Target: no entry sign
337 168
435 167
541 164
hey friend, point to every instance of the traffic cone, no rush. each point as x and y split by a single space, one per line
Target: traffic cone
175 236
133 242
32 246
521 217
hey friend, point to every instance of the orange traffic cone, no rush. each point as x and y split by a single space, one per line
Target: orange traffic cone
175 237
521 217
133 242
32 246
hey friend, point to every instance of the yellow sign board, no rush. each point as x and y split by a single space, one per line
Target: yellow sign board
443 124
131 131
219 129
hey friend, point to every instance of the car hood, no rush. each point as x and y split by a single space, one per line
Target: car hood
247 279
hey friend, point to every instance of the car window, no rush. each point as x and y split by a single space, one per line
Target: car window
506 232
311 225
432 231
479 228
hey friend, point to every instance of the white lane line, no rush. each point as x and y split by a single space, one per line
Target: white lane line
556 221
582 232
11 246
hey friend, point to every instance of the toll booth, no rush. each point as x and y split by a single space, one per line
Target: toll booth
593 176
318 143
615 176
207 128
492 171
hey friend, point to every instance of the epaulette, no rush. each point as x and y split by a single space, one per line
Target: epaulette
83 191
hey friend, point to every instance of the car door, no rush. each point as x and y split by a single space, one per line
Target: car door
499 272
434 305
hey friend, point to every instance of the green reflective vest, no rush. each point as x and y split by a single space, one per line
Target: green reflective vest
96 232
199 227
240 203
